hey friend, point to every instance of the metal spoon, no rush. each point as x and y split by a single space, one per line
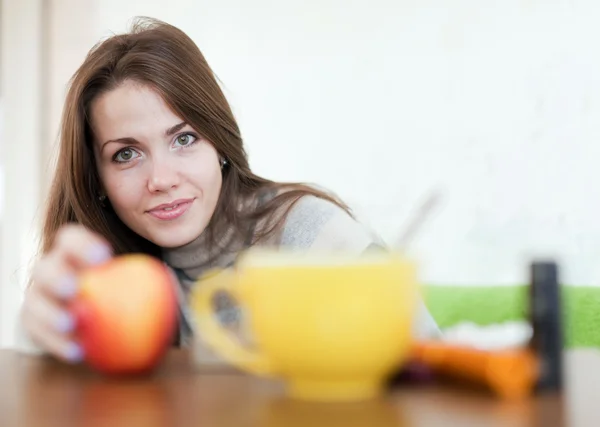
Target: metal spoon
418 219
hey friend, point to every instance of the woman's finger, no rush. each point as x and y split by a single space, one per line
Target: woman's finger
80 247
54 278
51 326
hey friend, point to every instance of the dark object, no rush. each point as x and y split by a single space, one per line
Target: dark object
545 316
413 372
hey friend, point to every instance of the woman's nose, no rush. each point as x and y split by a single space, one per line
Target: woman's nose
163 177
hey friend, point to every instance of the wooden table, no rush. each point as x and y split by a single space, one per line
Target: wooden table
37 391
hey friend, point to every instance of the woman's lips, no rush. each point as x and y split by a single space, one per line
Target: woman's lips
171 211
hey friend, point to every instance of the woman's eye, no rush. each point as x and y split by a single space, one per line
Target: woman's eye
185 140
125 155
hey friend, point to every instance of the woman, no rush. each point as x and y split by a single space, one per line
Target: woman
151 160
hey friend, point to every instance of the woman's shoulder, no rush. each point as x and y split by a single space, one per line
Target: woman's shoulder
318 223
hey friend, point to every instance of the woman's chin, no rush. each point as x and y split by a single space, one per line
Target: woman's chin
174 239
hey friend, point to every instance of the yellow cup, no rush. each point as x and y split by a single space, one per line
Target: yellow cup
331 327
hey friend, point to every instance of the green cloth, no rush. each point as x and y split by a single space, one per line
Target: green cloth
484 305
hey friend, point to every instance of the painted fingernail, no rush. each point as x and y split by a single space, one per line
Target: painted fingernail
99 254
68 286
74 353
65 323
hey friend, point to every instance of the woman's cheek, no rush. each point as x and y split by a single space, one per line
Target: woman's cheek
124 191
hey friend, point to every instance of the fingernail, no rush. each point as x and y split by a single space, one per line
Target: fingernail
74 353
68 286
99 254
65 323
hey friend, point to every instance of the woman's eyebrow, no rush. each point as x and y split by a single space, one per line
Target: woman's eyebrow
175 128
126 140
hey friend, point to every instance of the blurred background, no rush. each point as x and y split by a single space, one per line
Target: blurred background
496 104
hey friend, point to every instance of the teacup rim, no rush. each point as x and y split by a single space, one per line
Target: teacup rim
267 257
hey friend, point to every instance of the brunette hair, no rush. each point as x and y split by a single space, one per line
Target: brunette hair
163 57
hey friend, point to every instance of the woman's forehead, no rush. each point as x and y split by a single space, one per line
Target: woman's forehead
131 110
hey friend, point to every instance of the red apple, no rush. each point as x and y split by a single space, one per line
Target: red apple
126 314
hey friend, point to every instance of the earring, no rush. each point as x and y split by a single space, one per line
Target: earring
102 198
223 163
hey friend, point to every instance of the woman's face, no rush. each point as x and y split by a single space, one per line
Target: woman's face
161 177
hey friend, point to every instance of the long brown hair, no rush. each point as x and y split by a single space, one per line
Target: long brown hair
163 57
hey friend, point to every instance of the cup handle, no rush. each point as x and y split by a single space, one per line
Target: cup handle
214 334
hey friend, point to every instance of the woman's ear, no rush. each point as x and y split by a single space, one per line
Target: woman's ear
101 195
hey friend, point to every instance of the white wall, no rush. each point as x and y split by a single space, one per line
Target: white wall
20 140
496 102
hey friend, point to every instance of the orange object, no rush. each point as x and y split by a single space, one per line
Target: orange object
126 312
511 373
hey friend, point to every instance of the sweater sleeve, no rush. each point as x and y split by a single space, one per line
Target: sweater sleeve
317 224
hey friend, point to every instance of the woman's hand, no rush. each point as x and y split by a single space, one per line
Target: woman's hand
54 282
